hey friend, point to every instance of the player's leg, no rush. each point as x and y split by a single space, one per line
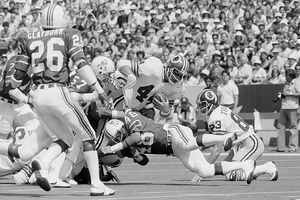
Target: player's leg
74 153
41 165
38 140
202 140
252 149
196 162
76 119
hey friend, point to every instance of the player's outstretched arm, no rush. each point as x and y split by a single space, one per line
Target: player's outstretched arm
130 141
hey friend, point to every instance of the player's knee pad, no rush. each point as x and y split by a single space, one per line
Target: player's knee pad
62 145
89 145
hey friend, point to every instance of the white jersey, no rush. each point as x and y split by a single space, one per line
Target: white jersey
222 121
10 165
149 75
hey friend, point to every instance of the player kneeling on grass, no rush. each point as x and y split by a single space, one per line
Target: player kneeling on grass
248 145
148 137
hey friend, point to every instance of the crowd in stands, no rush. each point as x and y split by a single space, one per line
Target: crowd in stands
255 40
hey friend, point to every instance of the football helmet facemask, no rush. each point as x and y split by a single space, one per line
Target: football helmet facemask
104 69
115 131
177 68
206 101
120 81
53 17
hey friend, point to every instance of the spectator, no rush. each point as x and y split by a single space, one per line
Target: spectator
228 92
186 114
275 77
288 113
259 74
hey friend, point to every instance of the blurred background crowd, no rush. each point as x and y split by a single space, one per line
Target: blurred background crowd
254 40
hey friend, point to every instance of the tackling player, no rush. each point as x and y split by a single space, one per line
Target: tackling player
48 52
148 137
222 121
148 77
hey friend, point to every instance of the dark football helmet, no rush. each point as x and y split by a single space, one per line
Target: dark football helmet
177 68
206 100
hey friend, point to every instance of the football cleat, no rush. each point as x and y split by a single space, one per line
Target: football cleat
273 171
101 191
249 166
41 175
60 184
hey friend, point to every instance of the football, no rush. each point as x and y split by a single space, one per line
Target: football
110 159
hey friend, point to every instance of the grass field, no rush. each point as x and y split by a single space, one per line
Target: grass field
165 178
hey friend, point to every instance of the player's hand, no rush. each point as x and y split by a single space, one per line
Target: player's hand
196 178
104 98
106 150
161 102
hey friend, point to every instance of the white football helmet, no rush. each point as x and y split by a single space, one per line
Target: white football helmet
104 69
53 17
115 131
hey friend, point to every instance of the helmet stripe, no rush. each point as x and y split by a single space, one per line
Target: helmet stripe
51 16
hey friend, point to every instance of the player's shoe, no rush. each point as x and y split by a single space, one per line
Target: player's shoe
272 171
248 168
41 175
60 184
101 191
22 177
71 181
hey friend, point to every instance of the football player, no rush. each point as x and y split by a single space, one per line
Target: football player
148 137
15 112
48 52
222 121
98 113
148 77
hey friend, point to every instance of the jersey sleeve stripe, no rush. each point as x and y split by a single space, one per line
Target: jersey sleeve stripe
73 49
80 63
23 62
79 51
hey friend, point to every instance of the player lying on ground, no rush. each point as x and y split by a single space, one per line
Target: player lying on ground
148 137
222 121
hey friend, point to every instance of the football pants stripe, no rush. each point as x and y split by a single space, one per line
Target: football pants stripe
79 115
181 133
254 148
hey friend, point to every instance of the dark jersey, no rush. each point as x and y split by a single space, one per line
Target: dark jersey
153 136
5 79
49 52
